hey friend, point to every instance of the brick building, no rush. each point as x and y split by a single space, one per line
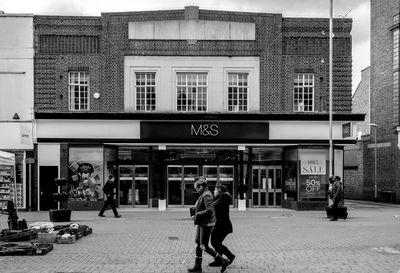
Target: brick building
159 97
16 106
353 157
379 173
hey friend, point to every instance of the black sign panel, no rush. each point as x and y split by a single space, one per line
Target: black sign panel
207 130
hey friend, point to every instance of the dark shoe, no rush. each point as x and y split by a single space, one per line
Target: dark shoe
102 215
334 219
345 216
224 262
215 264
197 266
118 216
231 258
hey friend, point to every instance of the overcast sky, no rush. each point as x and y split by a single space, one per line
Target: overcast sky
358 10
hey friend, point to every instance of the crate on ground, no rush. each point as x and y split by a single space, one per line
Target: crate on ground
17 235
66 239
43 249
87 231
47 237
25 250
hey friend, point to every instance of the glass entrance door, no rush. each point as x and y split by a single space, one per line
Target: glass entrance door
133 185
181 184
267 186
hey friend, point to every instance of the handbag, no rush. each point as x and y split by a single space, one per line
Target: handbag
192 211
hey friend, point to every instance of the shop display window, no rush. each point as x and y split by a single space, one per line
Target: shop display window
86 173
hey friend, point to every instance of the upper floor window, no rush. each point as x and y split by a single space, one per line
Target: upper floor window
303 93
238 86
145 91
396 40
191 92
78 90
396 19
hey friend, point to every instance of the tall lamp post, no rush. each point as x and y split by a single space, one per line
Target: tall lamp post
375 161
330 88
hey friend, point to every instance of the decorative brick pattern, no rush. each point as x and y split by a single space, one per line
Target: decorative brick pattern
283 44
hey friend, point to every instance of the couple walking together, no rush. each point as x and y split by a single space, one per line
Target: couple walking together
211 215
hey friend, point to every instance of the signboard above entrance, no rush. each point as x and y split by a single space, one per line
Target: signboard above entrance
207 130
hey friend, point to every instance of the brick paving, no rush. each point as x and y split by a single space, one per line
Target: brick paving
269 240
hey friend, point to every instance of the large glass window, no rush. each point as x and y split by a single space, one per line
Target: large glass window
191 92
303 93
78 90
237 92
145 91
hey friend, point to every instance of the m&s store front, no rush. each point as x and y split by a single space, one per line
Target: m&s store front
268 160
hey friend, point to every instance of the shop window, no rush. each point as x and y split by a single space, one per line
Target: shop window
86 174
78 90
303 93
145 86
238 86
261 155
138 154
191 92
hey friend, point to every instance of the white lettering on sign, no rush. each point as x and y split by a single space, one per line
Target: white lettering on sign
313 185
204 130
313 167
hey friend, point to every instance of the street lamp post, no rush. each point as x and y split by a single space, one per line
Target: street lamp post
330 88
375 161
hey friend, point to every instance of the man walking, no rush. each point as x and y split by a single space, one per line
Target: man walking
108 190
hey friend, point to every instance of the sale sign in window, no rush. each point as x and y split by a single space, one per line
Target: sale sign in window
312 179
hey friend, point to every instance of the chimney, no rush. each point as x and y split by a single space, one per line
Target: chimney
191 13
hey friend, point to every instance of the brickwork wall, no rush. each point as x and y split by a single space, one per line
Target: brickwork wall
306 46
382 13
279 44
382 97
51 70
352 177
361 102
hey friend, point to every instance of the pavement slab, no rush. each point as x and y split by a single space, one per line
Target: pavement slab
270 240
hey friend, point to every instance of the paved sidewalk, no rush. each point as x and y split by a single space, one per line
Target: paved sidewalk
271 240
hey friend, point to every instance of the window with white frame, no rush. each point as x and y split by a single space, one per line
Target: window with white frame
238 87
78 90
191 92
303 93
145 86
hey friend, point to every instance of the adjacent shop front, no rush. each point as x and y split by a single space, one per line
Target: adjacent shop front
267 160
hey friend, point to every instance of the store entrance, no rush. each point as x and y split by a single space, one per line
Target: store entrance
181 184
133 185
181 178
267 186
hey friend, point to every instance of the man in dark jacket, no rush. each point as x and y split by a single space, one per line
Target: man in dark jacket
108 190
223 225
337 196
204 218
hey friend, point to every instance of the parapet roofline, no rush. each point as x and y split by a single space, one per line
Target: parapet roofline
202 116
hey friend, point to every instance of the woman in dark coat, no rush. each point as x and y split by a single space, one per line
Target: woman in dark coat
204 218
223 225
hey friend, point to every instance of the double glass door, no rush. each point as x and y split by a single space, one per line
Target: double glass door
133 185
267 186
181 178
181 184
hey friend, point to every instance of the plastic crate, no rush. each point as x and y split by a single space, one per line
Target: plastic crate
87 231
47 237
66 240
43 249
